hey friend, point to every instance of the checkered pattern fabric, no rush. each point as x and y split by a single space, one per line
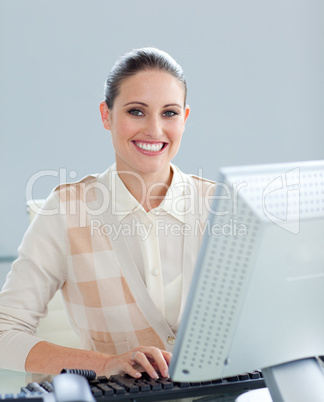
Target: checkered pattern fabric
96 293
106 298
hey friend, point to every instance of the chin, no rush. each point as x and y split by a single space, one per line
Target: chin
154 168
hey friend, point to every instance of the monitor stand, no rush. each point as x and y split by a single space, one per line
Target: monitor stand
296 381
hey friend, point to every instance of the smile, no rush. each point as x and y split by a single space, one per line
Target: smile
150 147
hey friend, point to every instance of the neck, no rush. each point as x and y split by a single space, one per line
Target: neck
149 189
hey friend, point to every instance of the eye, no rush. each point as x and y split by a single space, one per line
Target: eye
170 113
136 112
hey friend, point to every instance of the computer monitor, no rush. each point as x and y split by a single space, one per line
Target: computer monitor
257 294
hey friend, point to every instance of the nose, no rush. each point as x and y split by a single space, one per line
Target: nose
153 127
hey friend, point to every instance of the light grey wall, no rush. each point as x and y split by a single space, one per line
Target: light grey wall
254 68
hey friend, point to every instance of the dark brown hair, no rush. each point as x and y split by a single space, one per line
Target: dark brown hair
139 60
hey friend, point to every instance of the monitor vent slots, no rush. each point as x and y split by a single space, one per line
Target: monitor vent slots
225 273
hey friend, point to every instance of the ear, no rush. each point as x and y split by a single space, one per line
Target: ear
186 113
105 115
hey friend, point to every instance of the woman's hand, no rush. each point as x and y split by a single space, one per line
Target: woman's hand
142 358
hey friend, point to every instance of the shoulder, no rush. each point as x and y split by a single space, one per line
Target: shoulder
78 190
203 181
203 186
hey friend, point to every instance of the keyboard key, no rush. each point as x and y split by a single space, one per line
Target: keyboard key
47 386
106 390
183 384
155 386
127 383
233 378
218 381
102 379
195 384
254 375
143 386
244 377
35 387
96 392
117 388
166 384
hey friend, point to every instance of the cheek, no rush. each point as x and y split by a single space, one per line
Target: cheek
124 129
175 132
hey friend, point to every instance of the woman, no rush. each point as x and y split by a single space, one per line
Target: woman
121 245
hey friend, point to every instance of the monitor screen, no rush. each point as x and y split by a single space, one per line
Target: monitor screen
257 295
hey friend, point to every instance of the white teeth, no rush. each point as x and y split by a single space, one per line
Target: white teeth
149 147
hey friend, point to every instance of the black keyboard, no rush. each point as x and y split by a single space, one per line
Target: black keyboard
125 388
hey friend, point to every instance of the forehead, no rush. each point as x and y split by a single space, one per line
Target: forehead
152 84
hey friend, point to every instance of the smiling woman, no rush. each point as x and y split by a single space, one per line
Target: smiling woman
146 121
124 288
145 110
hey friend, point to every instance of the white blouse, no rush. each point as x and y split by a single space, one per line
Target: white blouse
155 239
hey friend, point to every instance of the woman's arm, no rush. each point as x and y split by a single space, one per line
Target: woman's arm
34 278
48 358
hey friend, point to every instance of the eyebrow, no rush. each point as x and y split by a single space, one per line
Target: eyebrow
144 104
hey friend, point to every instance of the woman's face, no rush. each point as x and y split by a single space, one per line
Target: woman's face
146 122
